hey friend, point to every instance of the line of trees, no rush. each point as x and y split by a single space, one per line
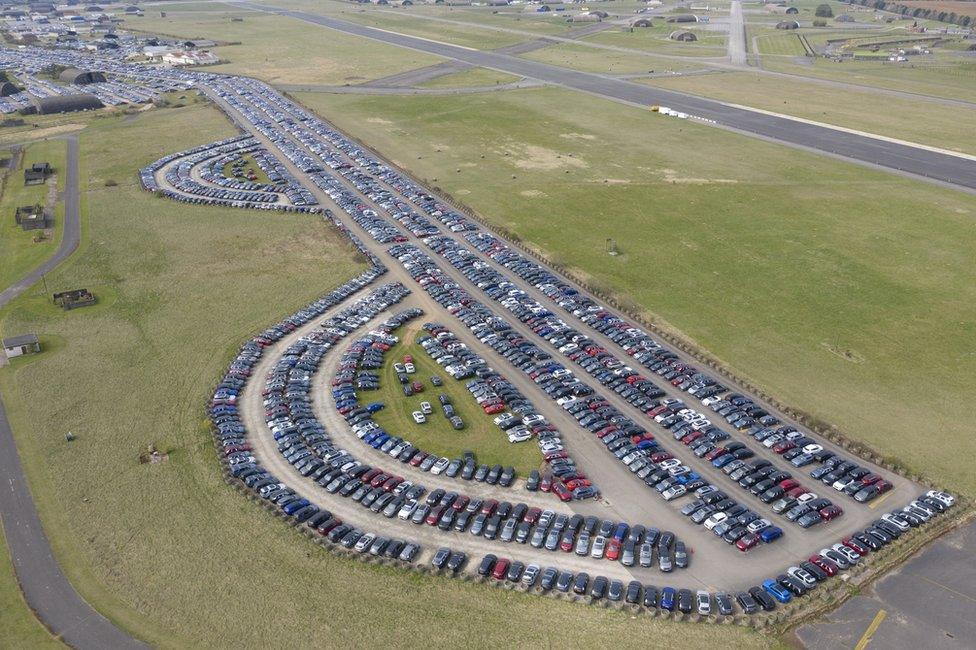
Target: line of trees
917 12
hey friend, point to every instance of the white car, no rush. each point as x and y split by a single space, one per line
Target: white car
365 542
942 497
407 509
842 564
409 368
419 417
758 525
674 492
900 525
803 576
715 520
813 448
532 420
518 436
849 553
772 440
704 603
669 463
425 408
599 547
399 368
806 497
440 465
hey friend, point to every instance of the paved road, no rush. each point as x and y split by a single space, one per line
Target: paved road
926 603
928 164
45 587
737 35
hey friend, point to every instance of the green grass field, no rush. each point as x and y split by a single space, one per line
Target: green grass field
20 628
471 78
18 250
249 165
591 59
780 44
284 50
437 30
167 550
915 120
845 291
437 436
655 40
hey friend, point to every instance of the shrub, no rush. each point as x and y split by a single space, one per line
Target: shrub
824 11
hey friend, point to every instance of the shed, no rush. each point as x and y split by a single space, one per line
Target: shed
682 18
73 299
93 8
782 9
844 18
199 44
42 7
81 77
641 22
787 24
16 346
37 173
683 35
32 217
66 103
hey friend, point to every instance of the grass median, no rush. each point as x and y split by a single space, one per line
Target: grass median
437 436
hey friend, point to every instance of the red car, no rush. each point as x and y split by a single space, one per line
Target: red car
870 479
857 546
434 515
747 541
831 512
691 437
562 492
488 507
418 458
661 456
461 502
715 453
417 387
391 483
828 567
492 409
613 549
572 484
532 516
566 544
545 483
883 486
789 484
501 568
378 480
784 446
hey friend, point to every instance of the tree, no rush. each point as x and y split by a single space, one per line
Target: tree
824 11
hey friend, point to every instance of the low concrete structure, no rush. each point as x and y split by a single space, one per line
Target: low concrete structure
17 346
32 217
74 299
683 35
37 173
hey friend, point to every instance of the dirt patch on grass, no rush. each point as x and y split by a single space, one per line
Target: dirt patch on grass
847 355
533 193
672 176
577 136
45 132
536 158
378 120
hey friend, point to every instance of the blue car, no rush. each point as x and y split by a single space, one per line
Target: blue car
685 479
723 460
295 506
771 534
667 598
380 441
374 407
777 591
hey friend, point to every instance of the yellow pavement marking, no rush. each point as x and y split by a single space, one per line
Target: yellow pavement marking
878 502
868 633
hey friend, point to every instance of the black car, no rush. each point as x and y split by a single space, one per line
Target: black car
724 603
487 563
686 601
599 588
764 599
747 602
633 592
581 582
650 596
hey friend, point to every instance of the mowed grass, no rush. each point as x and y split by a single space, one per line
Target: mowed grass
167 550
472 78
18 250
655 39
780 44
916 120
437 30
18 625
583 57
437 436
848 292
249 166
284 50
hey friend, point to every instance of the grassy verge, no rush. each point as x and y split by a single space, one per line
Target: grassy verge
21 629
18 250
590 59
471 78
437 436
919 121
249 165
847 292
655 39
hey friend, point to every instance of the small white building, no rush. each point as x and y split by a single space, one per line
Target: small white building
17 346
190 57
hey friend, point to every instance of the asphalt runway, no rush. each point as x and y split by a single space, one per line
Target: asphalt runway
45 587
923 163
929 602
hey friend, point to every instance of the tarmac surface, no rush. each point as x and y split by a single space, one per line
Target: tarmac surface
45 587
927 603
916 161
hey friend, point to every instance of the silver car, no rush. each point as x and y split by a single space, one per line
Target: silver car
599 547
583 544
646 555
